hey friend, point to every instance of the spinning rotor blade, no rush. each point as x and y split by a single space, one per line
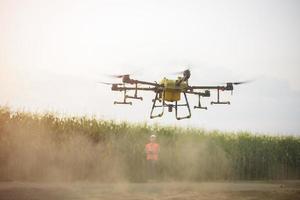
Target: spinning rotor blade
105 83
131 73
119 75
181 72
239 82
186 75
177 73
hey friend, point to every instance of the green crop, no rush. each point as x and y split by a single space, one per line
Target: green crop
107 146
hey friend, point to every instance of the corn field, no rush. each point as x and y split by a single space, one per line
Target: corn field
48 147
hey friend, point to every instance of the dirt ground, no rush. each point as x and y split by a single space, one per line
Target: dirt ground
289 190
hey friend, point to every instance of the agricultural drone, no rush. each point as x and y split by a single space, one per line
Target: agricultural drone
168 92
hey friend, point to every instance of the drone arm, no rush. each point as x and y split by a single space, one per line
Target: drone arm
123 88
127 79
228 87
117 88
204 94
207 88
146 83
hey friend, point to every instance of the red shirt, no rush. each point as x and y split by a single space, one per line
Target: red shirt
152 151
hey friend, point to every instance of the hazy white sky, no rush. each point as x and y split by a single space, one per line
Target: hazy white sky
52 53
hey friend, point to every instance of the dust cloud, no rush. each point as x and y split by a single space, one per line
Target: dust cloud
28 153
43 156
38 162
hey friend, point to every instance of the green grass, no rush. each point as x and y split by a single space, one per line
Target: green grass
186 153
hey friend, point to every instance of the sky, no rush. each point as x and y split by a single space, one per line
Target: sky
53 53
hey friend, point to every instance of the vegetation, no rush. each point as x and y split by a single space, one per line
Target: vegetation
115 150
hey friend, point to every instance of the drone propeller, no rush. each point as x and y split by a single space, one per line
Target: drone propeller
239 82
106 83
119 75
131 73
229 85
177 73
182 71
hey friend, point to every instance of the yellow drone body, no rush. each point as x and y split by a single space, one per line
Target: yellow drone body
172 90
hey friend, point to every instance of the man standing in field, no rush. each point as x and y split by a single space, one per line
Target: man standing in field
152 149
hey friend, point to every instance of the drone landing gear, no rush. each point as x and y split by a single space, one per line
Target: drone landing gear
170 107
218 100
188 107
156 106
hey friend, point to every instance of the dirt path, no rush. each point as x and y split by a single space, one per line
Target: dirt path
289 190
